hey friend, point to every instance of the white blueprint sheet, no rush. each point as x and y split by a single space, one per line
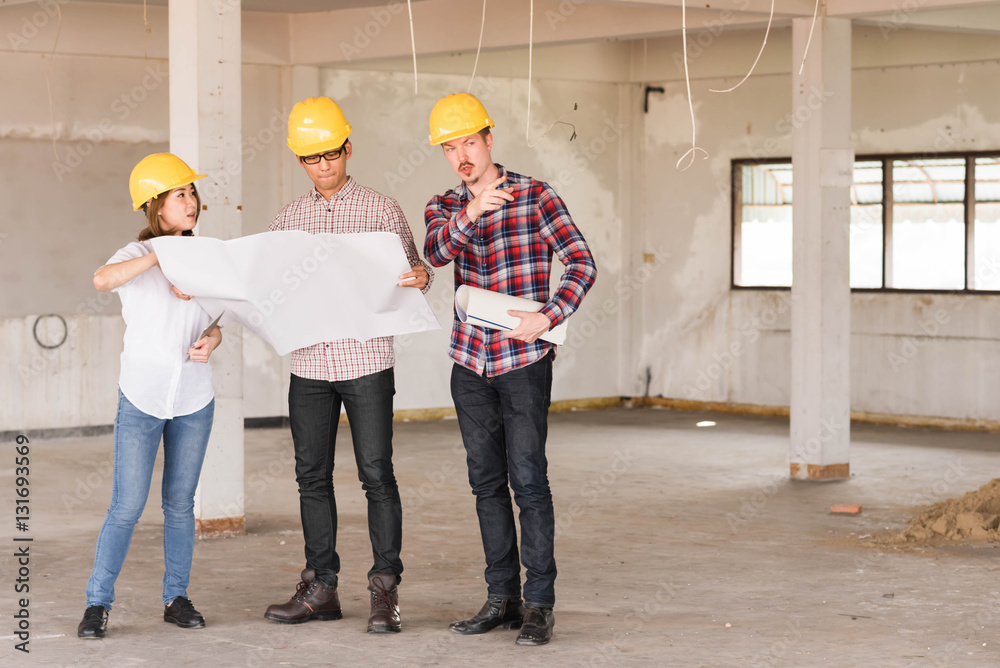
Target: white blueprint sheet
295 289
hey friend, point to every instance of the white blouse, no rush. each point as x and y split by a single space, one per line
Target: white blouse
157 375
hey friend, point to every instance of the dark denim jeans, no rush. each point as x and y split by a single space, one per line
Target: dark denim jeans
314 413
504 423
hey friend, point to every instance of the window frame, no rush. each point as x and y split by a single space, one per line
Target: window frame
968 203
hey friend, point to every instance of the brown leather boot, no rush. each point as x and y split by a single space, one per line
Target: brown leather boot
385 604
313 599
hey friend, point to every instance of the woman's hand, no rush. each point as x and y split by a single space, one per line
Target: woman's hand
203 347
180 295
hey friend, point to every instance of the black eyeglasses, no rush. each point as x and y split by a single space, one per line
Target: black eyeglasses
329 155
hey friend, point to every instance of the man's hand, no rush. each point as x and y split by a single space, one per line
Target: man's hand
490 199
179 294
532 326
414 279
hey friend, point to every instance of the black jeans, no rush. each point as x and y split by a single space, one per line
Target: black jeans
504 423
314 413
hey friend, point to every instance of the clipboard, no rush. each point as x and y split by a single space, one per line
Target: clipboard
208 330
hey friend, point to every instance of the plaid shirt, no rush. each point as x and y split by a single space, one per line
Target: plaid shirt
509 251
354 208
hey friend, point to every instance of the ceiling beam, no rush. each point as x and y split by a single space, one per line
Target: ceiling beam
862 8
784 8
968 21
364 34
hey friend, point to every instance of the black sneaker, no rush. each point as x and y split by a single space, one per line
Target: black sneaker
182 613
95 622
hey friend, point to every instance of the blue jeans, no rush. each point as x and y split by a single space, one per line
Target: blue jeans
137 438
504 423
314 414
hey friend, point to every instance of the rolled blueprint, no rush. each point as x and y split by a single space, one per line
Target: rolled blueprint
484 308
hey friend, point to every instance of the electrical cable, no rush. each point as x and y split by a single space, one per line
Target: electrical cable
558 121
482 26
34 331
531 35
693 151
809 41
413 46
148 29
766 33
527 126
48 81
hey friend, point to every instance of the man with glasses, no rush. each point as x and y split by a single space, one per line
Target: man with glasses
355 374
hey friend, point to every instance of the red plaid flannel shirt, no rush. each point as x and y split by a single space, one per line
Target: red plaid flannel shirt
354 208
509 251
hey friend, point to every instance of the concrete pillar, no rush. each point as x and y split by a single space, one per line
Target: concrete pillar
205 131
822 164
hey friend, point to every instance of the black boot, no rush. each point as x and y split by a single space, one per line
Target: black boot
537 627
95 622
506 612
182 613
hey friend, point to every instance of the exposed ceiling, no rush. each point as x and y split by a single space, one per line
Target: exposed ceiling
328 32
971 15
284 6
330 37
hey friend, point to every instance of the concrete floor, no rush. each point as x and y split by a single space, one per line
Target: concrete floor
667 534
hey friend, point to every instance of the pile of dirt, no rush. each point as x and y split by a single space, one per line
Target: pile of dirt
975 516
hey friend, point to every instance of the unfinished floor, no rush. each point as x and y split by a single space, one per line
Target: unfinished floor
676 546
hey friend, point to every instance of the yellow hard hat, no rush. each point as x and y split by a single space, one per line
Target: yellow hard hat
156 174
316 125
457 115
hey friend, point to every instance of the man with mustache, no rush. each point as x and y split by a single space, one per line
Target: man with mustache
501 229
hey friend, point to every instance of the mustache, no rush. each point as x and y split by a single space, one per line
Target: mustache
465 164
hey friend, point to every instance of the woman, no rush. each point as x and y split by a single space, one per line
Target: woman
165 389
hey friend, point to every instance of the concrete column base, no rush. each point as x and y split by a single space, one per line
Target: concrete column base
220 527
818 472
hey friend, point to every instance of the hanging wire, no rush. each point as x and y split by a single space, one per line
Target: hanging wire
766 33
558 121
645 47
148 29
48 81
531 34
413 45
693 151
809 41
478 48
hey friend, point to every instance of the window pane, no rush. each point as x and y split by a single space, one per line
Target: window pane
866 225
766 248
987 233
928 231
866 246
766 228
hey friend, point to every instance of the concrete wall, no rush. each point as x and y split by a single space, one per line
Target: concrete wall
392 155
661 319
913 354
63 214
